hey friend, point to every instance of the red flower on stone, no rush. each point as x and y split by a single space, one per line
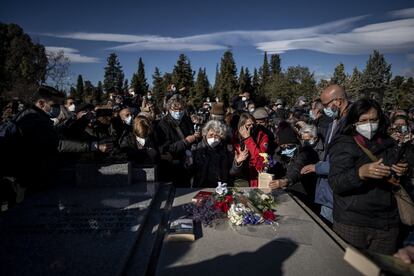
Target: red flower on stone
228 199
269 215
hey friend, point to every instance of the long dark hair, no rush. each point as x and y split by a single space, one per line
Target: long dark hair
361 107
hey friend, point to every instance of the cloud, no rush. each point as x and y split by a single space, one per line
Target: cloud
206 42
72 54
404 13
392 36
346 36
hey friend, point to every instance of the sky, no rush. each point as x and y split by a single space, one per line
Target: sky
318 34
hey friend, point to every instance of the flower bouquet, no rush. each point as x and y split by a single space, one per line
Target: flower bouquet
265 163
241 207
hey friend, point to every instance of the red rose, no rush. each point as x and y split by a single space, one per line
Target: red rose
225 207
269 215
229 199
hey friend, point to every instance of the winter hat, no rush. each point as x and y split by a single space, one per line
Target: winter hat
286 134
260 113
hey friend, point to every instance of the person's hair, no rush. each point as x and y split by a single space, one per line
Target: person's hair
46 93
174 100
361 107
243 118
311 129
399 117
217 126
142 126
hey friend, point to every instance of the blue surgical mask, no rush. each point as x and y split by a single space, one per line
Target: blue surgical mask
289 152
330 113
177 115
309 143
404 129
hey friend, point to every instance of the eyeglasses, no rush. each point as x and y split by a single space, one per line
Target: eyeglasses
326 104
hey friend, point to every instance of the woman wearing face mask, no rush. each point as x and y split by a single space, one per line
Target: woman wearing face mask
212 159
365 211
255 141
290 158
139 145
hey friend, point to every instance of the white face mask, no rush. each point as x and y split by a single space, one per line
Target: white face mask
128 120
251 110
141 141
212 142
244 99
71 108
367 130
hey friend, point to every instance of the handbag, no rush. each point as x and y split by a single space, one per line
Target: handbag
404 202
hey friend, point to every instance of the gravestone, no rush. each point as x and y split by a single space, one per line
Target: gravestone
73 231
144 173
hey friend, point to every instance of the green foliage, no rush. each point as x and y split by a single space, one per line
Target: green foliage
245 81
182 75
354 86
158 89
22 63
275 64
79 88
376 77
339 76
201 88
139 82
227 85
114 76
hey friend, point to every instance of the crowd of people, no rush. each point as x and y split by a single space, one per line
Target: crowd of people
343 159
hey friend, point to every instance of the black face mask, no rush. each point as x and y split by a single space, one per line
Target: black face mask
54 111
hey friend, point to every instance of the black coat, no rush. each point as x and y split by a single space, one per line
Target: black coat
301 185
367 203
32 152
147 154
172 144
211 165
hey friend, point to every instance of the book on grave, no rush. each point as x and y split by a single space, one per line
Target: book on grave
370 263
200 196
181 230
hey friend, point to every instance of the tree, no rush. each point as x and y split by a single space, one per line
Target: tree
201 87
182 75
216 81
275 66
227 86
339 76
255 83
354 86
158 88
22 63
125 87
245 81
80 88
301 83
264 72
114 76
89 92
57 70
376 77
139 82
99 92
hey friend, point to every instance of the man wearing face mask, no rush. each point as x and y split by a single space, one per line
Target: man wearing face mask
175 135
29 150
291 157
336 105
212 159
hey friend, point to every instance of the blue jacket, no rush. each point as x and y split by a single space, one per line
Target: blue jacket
323 192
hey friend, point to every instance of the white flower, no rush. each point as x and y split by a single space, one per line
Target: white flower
264 197
221 188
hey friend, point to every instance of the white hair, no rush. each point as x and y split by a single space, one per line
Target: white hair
311 129
218 127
